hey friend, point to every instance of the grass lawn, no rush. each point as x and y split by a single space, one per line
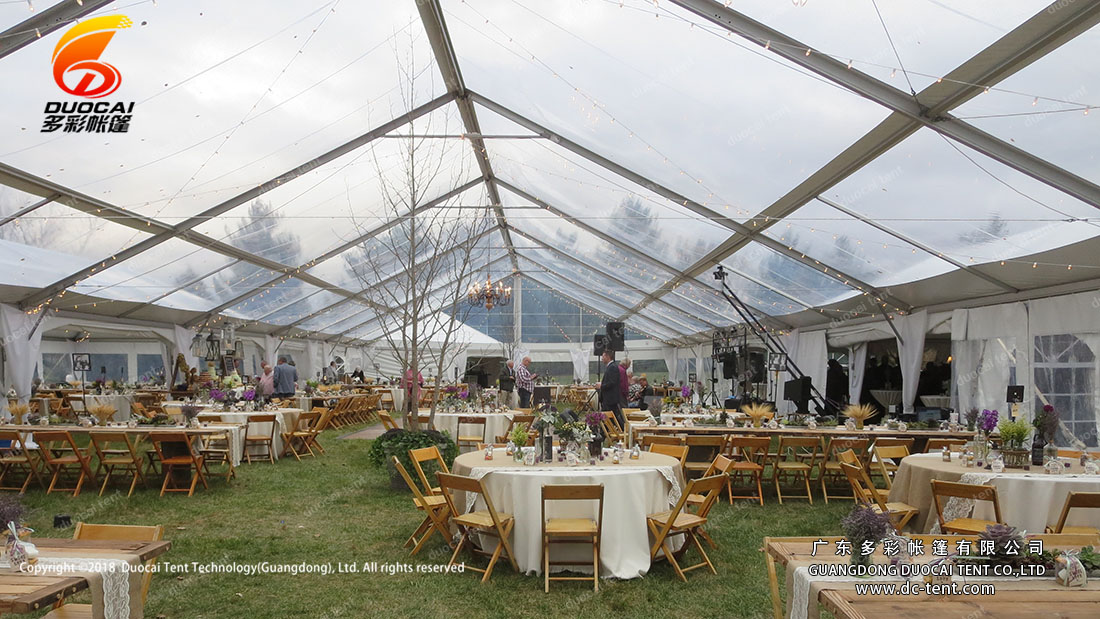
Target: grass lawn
338 508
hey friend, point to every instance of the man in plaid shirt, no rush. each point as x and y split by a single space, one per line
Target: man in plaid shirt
525 382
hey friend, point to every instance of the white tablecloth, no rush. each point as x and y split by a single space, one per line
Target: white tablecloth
495 424
285 419
121 404
631 491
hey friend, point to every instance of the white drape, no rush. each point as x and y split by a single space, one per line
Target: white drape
22 337
166 359
270 343
910 354
857 369
314 359
670 354
580 357
519 353
813 357
182 337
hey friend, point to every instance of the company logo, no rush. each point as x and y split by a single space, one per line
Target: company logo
77 68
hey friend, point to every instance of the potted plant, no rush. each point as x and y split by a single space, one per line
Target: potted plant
1013 436
398 442
519 439
865 526
18 411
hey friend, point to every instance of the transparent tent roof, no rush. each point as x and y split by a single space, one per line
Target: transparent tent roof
612 153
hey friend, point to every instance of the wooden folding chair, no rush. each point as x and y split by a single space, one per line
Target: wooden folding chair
300 433
180 454
323 422
20 459
62 456
116 451
883 460
974 492
679 522
680 452
437 512
217 449
488 522
260 440
899 513
470 440
112 532
662 439
429 455
387 420
702 449
572 530
749 455
1084 500
829 471
803 450
517 420
936 445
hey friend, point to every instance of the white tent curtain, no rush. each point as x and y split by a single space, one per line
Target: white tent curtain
670 354
166 360
911 354
790 343
314 362
22 337
270 344
182 337
519 353
983 370
458 363
857 369
580 358
813 357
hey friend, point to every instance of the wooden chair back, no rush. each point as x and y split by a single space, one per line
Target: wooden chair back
649 440
679 452
802 448
858 446
426 455
708 487
449 482
1084 500
107 442
387 420
52 441
976 492
937 444
748 448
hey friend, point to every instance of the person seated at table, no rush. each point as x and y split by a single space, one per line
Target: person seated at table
358 375
644 391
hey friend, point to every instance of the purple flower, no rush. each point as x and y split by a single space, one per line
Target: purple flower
686 391
249 395
594 419
988 421
465 394
217 395
450 389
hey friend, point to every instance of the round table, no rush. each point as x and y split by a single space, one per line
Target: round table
496 424
633 489
936 401
888 398
1030 499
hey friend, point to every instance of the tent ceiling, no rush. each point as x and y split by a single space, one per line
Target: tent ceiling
781 142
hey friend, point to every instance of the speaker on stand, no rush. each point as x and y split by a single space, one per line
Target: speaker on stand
616 336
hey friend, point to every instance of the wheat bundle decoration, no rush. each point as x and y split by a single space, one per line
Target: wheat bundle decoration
758 412
102 412
18 411
859 413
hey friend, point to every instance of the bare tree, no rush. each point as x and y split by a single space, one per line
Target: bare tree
417 272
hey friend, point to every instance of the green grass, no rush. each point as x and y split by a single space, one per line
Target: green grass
338 508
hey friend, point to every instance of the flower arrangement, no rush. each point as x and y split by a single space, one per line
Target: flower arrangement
1004 538
595 420
971 419
218 395
249 394
864 524
575 431
190 411
1046 423
1014 433
103 413
988 420
685 391
11 510
859 413
758 412
519 435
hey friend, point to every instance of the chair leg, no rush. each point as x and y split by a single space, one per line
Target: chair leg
133 483
806 479
699 547
493 561
824 490
106 479
596 565
759 488
167 477
778 490
546 563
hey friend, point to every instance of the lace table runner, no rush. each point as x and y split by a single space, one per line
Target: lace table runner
958 507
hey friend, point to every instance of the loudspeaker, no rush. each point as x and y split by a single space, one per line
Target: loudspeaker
756 363
616 336
599 344
729 365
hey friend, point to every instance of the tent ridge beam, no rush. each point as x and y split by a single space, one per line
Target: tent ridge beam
44 22
180 229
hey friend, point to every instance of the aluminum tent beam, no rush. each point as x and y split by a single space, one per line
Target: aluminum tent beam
29 209
429 294
921 246
852 282
184 229
566 295
431 15
182 286
44 22
1022 46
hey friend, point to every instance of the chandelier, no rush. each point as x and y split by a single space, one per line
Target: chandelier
489 294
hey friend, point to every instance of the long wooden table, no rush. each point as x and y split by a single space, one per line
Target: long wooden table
27 593
839 598
922 436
